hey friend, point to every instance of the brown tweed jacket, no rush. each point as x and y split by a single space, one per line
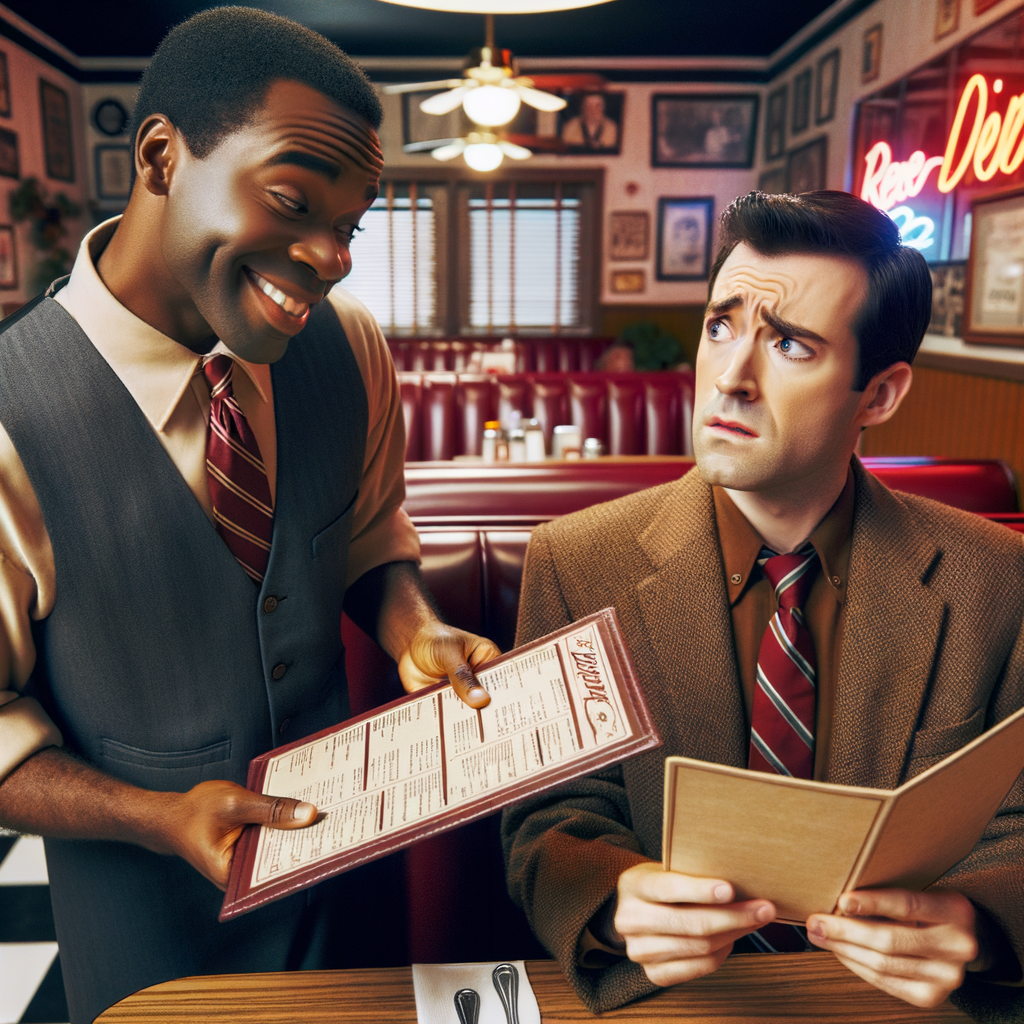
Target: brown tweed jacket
933 654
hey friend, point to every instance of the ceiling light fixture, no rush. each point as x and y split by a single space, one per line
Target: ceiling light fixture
499 6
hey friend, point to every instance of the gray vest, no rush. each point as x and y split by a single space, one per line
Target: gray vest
161 662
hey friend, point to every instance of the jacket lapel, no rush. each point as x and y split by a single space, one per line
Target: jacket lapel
891 636
685 613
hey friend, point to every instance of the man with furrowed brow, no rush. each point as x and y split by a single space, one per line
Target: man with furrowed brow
789 614
201 464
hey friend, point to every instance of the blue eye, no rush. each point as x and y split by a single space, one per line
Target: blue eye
785 345
713 330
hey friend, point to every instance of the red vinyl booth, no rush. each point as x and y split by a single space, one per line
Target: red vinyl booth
638 413
475 522
533 355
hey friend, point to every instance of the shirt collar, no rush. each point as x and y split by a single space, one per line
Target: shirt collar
154 368
741 543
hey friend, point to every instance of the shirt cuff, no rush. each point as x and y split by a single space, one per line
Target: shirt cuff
25 729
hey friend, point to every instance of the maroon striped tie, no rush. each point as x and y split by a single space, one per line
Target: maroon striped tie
242 507
782 721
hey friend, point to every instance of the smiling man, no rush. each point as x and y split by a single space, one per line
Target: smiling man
789 614
201 463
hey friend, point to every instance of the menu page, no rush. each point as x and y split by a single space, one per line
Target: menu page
555 703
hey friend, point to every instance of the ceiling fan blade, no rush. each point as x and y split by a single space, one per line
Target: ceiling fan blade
444 102
447 83
427 146
449 152
538 99
510 149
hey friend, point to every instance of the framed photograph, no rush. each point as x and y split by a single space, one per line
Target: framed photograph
630 235
8 258
775 123
702 130
871 55
994 291
947 17
801 101
110 117
9 164
826 87
772 181
60 158
113 172
806 167
591 122
629 281
684 238
947 298
5 87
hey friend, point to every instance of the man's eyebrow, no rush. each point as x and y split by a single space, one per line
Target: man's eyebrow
788 330
297 158
723 305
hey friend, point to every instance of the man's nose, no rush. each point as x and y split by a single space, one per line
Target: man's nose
739 378
323 253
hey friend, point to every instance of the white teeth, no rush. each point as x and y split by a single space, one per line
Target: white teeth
288 304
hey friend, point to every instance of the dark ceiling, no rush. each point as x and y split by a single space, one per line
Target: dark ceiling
646 28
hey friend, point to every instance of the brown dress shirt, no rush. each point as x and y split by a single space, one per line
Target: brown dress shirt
752 601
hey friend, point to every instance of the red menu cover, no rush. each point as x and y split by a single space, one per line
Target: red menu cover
563 706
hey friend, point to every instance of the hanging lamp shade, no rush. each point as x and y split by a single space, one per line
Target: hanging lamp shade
498 6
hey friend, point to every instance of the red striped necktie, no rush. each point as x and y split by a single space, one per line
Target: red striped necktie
242 508
782 721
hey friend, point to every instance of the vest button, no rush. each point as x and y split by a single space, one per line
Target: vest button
270 605
279 671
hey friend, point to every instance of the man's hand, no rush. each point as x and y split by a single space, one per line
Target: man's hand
437 651
913 945
203 825
678 927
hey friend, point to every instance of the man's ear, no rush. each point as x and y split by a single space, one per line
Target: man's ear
884 394
157 153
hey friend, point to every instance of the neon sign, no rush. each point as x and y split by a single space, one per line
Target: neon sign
994 146
916 232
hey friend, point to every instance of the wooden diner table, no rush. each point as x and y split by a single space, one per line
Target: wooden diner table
753 989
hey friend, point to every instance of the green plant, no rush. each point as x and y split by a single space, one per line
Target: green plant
653 348
47 218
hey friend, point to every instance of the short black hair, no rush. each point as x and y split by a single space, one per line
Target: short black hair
893 320
212 72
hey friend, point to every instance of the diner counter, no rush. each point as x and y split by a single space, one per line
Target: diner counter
752 989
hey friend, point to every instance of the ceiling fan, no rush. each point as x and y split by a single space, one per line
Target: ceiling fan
491 93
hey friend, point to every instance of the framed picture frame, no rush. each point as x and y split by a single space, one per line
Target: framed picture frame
801 102
110 117
8 257
10 164
628 282
775 123
684 238
630 233
60 157
994 288
5 87
871 54
947 17
591 122
826 87
807 167
947 298
703 129
113 172
772 181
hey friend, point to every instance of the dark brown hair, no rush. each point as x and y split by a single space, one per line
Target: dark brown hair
893 320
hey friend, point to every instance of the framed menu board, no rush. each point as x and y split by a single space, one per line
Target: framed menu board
994 306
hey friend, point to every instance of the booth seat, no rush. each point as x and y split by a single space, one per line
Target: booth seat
637 413
474 523
533 355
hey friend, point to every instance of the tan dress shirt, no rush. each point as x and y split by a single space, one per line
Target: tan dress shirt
166 381
752 601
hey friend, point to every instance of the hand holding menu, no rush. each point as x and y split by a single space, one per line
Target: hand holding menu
566 705
802 844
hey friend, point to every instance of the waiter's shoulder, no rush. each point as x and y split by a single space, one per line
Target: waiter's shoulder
363 332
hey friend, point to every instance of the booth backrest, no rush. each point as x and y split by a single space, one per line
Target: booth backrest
533 355
475 523
632 413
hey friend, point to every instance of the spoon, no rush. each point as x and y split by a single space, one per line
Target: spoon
506 981
467 1005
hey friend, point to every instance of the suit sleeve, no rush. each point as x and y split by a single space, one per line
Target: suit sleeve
564 850
992 875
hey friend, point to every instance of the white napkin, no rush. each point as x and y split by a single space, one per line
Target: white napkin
435 986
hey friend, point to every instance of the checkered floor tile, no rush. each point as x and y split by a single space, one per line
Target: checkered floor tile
31 989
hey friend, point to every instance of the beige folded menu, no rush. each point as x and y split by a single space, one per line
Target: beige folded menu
801 844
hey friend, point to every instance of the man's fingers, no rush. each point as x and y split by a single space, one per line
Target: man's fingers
660 949
467 687
924 994
652 883
694 920
674 972
903 905
277 812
